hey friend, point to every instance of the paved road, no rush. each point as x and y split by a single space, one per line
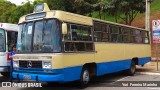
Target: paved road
110 81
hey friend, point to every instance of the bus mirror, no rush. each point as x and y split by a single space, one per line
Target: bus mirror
64 28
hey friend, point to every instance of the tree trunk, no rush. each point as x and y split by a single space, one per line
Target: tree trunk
100 14
126 18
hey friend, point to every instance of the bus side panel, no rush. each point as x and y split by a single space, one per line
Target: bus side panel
72 64
72 73
113 57
141 51
110 67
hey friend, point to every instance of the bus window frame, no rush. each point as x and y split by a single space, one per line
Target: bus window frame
60 24
78 41
144 37
118 34
128 35
131 33
101 31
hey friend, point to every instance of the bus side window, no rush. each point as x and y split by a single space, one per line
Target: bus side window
81 37
74 36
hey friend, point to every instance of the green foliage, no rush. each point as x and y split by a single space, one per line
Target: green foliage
10 13
122 9
5 10
111 10
75 6
155 6
20 11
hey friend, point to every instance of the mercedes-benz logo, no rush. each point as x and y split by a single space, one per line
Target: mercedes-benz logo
29 64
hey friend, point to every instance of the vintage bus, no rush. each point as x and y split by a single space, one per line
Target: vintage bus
58 46
8 38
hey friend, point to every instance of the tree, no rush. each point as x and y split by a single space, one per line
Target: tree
20 11
24 9
75 6
6 10
126 10
130 9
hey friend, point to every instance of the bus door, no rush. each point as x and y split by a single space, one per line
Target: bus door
11 39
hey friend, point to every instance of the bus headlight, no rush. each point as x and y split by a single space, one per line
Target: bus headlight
47 65
15 63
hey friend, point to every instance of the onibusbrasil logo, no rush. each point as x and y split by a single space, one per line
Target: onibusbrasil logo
13 84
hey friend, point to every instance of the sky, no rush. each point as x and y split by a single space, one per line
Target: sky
18 2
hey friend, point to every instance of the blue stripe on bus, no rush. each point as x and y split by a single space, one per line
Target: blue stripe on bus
111 67
66 75
73 73
38 77
143 61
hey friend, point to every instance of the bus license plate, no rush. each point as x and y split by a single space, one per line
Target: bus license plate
27 77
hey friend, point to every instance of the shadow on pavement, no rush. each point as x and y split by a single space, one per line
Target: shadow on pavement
3 79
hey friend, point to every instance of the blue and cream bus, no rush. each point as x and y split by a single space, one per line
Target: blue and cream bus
58 46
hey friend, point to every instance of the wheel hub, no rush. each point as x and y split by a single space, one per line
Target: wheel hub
86 76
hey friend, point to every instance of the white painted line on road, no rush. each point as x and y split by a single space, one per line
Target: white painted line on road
154 88
123 78
120 79
147 73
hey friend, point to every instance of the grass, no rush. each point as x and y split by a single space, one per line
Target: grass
103 17
155 7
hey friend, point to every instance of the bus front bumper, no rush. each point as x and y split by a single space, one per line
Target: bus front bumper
38 77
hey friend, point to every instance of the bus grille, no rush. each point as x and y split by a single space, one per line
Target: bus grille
34 64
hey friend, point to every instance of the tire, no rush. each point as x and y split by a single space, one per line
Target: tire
5 74
85 78
131 71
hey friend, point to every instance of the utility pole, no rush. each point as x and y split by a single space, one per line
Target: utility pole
148 3
147 27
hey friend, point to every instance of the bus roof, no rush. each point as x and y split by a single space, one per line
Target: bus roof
62 16
9 27
72 18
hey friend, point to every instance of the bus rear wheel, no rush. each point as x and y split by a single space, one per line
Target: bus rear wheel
85 77
131 71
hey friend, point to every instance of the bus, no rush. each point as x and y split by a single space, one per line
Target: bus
58 46
8 38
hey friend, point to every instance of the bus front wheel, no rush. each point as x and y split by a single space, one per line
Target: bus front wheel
85 77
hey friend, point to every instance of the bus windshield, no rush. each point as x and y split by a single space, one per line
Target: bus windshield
2 41
40 36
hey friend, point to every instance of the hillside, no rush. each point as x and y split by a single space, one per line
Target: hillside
155 14
140 18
